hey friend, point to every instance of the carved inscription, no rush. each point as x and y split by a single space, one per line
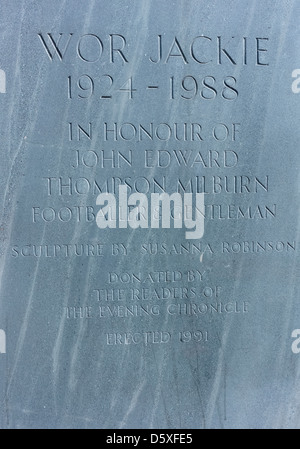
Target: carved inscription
115 166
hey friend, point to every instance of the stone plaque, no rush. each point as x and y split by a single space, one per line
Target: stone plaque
149 214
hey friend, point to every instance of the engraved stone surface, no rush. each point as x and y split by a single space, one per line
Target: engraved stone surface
149 252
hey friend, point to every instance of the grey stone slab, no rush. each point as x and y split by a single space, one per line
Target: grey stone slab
128 327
